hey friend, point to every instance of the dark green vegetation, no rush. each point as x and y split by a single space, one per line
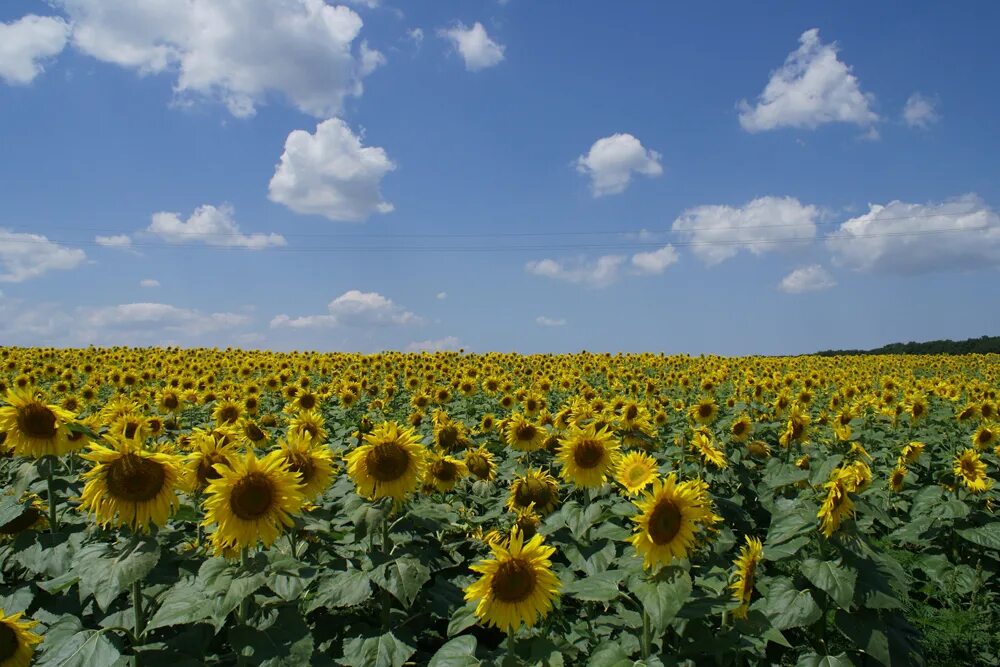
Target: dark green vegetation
981 345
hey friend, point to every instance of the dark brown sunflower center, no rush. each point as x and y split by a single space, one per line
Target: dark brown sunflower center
448 437
631 412
135 479
252 497
309 429
170 402
588 453
8 642
528 526
526 432
636 473
229 414
969 469
704 411
130 428
444 470
665 522
478 465
514 581
387 461
984 437
253 432
302 464
739 428
20 523
918 409
37 421
307 401
532 491
206 467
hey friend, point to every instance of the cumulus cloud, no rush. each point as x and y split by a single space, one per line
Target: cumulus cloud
26 43
438 345
474 45
612 160
330 173
811 278
149 282
234 51
717 233
600 272
24 256
353 309
211 225
905 238
442 296
813 87
920 111
544 321
161 317
656 261
121 241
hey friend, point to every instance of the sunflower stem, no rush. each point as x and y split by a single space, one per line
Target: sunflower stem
386 599
140 619
245 602
511 656
50 478
645 634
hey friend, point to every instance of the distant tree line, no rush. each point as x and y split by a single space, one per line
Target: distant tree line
981 345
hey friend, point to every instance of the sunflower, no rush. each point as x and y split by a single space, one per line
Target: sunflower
252 500
984 437
17 641
481 463
390 464
308 425
759 449
524 435
746 565
911 452
741 428
35 429
702 445
449 435
130 486
635 471
971 471
227 412
313 463
207 451
517 584
670 516
535 486
896 479
169 401
527 521
704 411
836 506
588 455
31 517
856 476
444 471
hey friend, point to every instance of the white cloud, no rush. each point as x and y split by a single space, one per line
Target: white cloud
417 35
442 296
211 225
612 160
811 278
656 261
149 282
597 273
330 173
813 87
353 309
439 345
233 51
905 238
24 256
122 241
920 111
544 321
717 233
474 45
26 43
162 317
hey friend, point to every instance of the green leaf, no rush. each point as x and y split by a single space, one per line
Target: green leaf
403 578
463 618
816 660
117 575
788 607
780 474
459 652
985 536
789 520
282 641
382 651
833 578
775 552
10 509
662 599
821 473
865 629
184 603
85 648
343 589
600 587
610 655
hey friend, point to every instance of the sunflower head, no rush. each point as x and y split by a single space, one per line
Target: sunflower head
17 641
444 471
588 455
970 470
524 435
481 463
745 565
34 428
390 463
635 471
671 515
312 463
535 488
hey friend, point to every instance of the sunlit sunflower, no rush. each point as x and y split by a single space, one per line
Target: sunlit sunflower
517 584
252 500
897 478
523 434
390 464
169 401
984 437
17 641
313 463
635 471
444 471
527 521
704 411
836 507
35 429
746 565
481 463
856 476
971 471
741 428
449 435
206 452
671 515
227 412
759 449
130 486
703 445
911 452
535 486
30 517
588 455
308 425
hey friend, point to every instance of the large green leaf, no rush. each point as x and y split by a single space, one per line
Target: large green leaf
866 629
985 536
383 651
343 589
459 652
67 644
463 618
403 577
780 474
788 607
662 599
610 655
600 587
283 640
789 520
816 660
833 578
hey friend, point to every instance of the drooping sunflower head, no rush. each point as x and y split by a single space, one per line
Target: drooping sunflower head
17 641
34 428
587 455
635 471
897 478
312 463
444 472
741 428
970 470
449 435
759 449
30 517
671 515
984 437
836 507
704 446
251 501
745 574
390 463
534 487
481 463
130 486
517 584
524 435
912 451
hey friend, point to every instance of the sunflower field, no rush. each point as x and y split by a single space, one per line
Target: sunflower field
227 507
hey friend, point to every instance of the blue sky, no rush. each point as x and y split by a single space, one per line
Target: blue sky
734 179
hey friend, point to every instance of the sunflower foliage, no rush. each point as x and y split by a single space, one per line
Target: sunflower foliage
223 507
